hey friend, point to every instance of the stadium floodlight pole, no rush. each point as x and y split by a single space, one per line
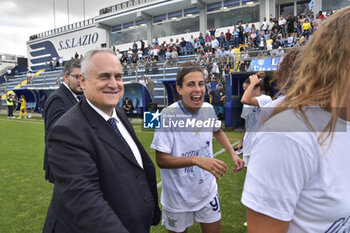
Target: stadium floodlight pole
54 14
68 10
84 9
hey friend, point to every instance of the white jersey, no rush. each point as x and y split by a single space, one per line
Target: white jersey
291 177
250 115
267 110
191 188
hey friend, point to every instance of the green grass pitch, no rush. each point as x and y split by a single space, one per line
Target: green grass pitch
25 195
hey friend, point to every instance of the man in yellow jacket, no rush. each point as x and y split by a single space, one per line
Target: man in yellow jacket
10 105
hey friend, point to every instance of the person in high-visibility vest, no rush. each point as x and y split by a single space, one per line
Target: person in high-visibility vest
23 107
10 105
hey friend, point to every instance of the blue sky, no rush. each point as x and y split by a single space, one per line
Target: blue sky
21 18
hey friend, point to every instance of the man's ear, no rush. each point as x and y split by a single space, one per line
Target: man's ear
82 81
179 89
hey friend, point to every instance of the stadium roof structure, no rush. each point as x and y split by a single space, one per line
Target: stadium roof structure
146 11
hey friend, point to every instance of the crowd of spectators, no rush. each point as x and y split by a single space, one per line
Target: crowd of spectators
271 37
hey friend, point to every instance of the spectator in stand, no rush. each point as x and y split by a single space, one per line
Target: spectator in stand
167 57
218 99
76 55
143 80
147 65
207 38
196 45
261 43
192 40
177 45
60 61
270 24
252 27
282 22
171 42
119 55
240 30
134 47
247 31
174 56
140 55
147 52
278 42
133 65
274 35
235 37
321 15
276 28
207 88
264 25
228 37
30 76
125 68
222 40
128 108
162 51
54 62
269 42
306 28
142 46
290 24
201 39
130 55
183 46
253 35
207 46
155 53
279 52
154 65
231 53
214 43
212 31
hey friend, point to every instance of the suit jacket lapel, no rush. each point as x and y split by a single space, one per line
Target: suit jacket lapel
105 132
125 121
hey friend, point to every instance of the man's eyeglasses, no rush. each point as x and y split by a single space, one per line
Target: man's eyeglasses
76 76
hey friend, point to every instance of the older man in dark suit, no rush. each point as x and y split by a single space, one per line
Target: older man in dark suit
105 181
59 102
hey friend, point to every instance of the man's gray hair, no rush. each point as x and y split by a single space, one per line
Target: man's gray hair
70 65
85 63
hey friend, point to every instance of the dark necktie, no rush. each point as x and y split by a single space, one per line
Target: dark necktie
113 123
79 97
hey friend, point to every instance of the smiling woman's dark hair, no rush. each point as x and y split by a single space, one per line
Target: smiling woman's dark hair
184 69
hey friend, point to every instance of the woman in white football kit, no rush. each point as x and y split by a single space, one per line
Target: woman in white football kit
298 178
253 101
185 155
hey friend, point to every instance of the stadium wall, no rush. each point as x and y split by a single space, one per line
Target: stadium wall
64 45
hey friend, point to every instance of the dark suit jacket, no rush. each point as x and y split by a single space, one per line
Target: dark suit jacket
99 186
59 102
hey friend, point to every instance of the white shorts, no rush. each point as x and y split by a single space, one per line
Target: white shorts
179 222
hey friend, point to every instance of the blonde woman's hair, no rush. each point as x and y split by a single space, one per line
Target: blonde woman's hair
323 74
